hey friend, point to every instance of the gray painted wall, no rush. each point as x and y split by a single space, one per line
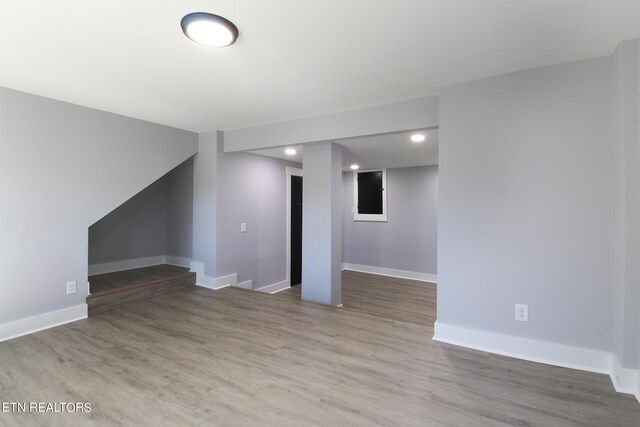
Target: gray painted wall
136 229
180 210
627 205
63 167
526 203
393 117
408 240
157 221
251 189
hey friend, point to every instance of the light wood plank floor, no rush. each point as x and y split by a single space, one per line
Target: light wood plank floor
237 357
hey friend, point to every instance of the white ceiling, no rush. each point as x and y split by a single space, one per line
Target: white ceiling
378 151
293 58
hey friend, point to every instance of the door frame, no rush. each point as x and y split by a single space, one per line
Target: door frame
290 172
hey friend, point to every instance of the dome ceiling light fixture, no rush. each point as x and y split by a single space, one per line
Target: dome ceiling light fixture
209 30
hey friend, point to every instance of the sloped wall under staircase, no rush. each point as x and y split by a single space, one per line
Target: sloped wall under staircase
63 167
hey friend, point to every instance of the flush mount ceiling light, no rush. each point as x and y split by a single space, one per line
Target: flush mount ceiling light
290 152
355 167
418 137
209 29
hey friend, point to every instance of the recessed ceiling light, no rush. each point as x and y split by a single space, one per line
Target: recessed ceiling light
290 152
355 167
418 137
209 29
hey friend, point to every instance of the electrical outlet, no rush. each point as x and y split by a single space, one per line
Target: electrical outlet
522 312
243 227
71 287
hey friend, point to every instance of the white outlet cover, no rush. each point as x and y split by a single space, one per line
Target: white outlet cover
522 312
71 287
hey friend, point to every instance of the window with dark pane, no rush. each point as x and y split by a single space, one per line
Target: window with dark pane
370 190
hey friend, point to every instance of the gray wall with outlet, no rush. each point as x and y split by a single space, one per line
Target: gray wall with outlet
408 240
526 204
252 190
62 168
157 221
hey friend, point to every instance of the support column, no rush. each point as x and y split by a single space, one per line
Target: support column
627 219
322 223
204 207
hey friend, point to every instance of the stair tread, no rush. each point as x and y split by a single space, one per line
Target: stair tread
118 288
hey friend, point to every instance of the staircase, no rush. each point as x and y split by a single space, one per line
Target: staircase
112 290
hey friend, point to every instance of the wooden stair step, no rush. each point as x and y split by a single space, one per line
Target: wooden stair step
128 289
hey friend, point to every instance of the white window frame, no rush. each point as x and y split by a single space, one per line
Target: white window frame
370 217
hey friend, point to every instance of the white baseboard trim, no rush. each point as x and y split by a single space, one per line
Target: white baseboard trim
202 280
381 271
178 261
41 322
248 284
225 281
274 288
624 380
583 359
216 284
208 282
127 264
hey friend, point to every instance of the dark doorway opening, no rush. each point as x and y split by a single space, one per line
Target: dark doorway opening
296 230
